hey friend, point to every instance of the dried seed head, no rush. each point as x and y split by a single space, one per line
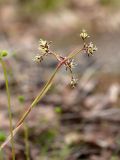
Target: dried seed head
38 58
84 35
74 82
44 46
70 64
91 48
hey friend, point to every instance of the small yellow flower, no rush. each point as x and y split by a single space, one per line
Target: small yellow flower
84 35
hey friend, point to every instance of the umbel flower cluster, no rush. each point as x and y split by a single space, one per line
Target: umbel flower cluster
44 47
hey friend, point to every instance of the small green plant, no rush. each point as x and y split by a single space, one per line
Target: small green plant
2 55
58 110
68 62
46 139
21 99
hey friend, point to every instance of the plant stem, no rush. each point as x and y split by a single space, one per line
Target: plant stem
9 107
40 95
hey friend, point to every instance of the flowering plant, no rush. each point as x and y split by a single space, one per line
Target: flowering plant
68 62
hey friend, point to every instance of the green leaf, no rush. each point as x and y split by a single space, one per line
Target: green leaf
2 136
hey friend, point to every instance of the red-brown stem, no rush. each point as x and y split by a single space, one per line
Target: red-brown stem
31 106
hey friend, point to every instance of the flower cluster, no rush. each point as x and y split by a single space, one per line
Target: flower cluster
44 48
84 35
69 63
38 58
73 82
89 48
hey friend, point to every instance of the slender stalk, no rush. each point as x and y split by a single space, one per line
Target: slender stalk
9 107
40 95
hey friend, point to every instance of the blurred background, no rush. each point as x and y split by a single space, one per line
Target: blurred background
68 124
